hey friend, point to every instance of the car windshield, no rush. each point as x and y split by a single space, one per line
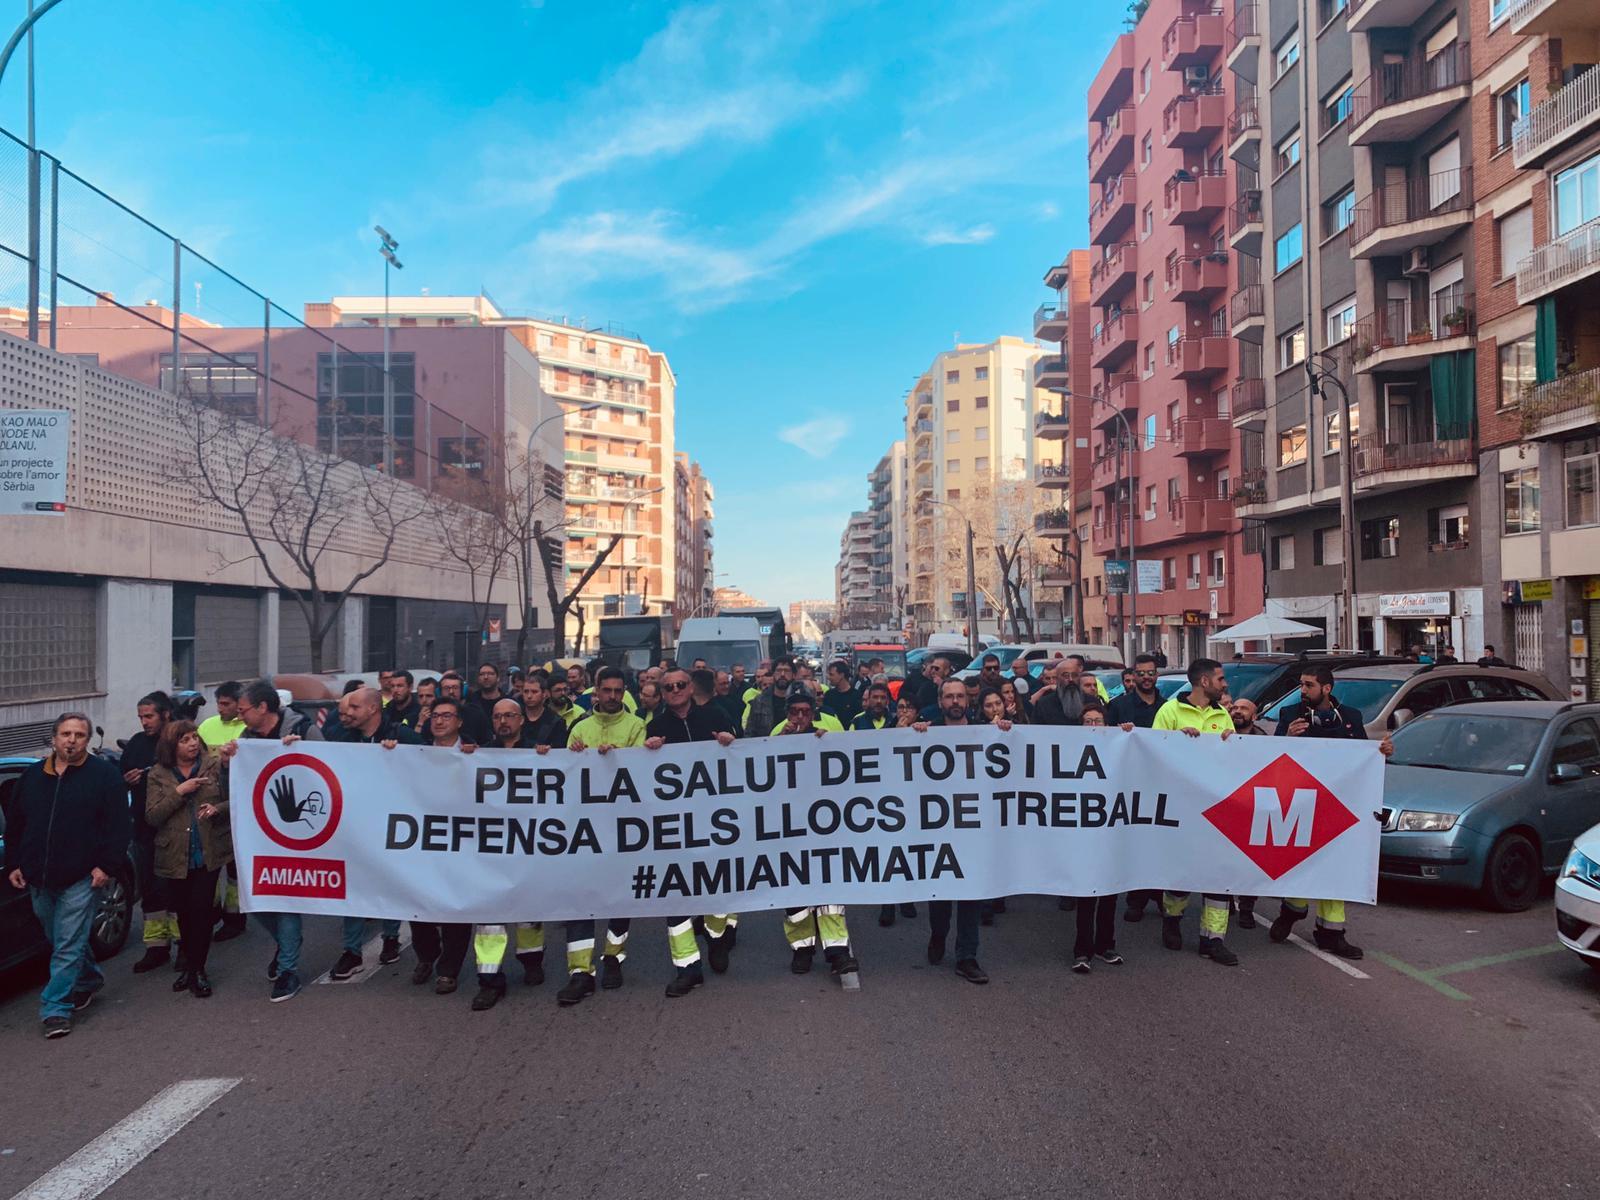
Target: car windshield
721 655
1247 680
1368 695
1483 743
894 659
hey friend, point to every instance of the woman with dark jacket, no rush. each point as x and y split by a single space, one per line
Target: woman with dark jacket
184 803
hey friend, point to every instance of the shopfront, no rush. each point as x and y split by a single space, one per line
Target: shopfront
1417 619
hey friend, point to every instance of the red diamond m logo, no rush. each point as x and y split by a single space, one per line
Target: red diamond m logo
1280 817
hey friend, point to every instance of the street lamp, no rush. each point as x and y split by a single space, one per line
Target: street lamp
1320 374
387 247
972 579
1124 477
532 527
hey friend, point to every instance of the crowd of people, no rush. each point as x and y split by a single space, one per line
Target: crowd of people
71 822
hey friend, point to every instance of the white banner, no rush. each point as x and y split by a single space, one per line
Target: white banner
859 818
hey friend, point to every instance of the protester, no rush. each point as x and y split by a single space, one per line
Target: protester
649 700
1015 701
1136 708
1062 702
404 706
1020 679
906 712
67 833
989 672
767 710
1490 658
222 726
1094 714
542 725
442 947
875 709
842 700
138 757
475 729
185 807
488 692
702 689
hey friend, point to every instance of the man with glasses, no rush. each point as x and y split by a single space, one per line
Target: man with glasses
934 672
767 710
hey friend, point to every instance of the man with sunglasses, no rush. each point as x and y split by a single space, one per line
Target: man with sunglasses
680 719
1136 709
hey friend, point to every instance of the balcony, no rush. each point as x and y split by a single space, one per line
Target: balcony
593 360
1120 394
1193 41
1199 278
1244 134
1194 119
1563 405
1554 17
1571 113
920 429
1114 272
1050 373
1245 223
1249 490
1197 200
1053 475
1249 401
1108 467
1055 575
1185 518
1113 83
1198 357
1247 313
1053 523
1112 150
924 403
1052 426
583 527
1115 338
1384 467
1244 42
1419 212
1050 321
1112 214
601 427
1058 276
1384 14
1398 102
1403 336
1202 437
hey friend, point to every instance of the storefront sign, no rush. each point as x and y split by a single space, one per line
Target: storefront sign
1591 589
1191 617
1535 591
1415 604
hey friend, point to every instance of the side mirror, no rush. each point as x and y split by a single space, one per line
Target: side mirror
1399 717
1566 773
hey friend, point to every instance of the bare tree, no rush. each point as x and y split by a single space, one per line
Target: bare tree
319 526
563 603
474 517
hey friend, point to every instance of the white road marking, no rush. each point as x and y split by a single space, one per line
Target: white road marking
126 1144
369 962
1328 958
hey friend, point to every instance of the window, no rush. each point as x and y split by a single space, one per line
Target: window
1331 441
1174 411
1292 348
1150 431
228 382
1194 571
952 466
1149 359
1286 55
1337 106
1339 212
980 373
1380 537
952 405
1578 744
953 494
1283 552
952 376
952 436
1219 567
1520 494
1498 10
1341 320
1332 8
1509 105
1327 547
1148 287
1291 446
1145 151
355 423
1169 574
1582 462
1173 336
1515 232
1287 249
1150 502
1577 196
1144 81
981 433
1147 221
980 464
1174 492
1448 528
1288 152
1224 485
1516 371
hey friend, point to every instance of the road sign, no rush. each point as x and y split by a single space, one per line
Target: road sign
33 461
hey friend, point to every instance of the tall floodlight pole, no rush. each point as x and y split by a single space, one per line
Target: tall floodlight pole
387 247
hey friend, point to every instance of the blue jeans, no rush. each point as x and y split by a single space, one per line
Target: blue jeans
285 930
355 932
67 914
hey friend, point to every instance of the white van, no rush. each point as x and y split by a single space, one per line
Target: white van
1092 652
724 642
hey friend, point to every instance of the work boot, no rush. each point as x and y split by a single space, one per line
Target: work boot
935 950
610 973
581 984
1333 941
1133 915
1217 951
969 970
1172 933
1283 924
685 981
532 967
842 962
719 954
886 915
800 964
390 953
421 973
154 956
1247 914
486 998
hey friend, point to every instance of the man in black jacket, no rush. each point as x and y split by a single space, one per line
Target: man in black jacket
404 705
67 835
1062 704
542 725
475 729
138 756
1136 708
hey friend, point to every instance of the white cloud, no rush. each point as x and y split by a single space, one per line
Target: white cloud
946 236
818 437
1049 210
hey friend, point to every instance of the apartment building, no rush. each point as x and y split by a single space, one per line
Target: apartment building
693 510
1165 264
1069 570
1536 116
886 490
969 428
853 575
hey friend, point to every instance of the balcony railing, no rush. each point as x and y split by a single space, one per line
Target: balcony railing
1053 520
1195 278
1052 474
1248 303
1449 313
1249 398
1117 193
1195 196
1245 118
1416 199
1560 401
1114 142
1047 423
1119 258
1194 118
1245 25
1375 458
1245 212
1250 488
1412 79
1572 109
1191 40
1553 16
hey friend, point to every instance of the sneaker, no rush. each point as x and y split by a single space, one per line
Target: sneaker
969 970
800 964
580 985
286 988
232 926
486 999
1080 965
885 917
1217 951
57 1027
82 1000
1172 933
444 985
1332 941
610 973
154 956
421 973
272 969
390 953
532 968
1283 924
685 981
719 954
1110 957
347 966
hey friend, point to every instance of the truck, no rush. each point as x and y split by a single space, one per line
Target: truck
774 637
724 642
634 643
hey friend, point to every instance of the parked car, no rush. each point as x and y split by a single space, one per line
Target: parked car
21 938
1578 899
1391 694
959 659
1490 796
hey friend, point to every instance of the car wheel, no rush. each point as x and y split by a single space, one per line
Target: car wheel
108 932
1512 876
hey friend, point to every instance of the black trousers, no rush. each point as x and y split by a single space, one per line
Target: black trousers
191 900
445 946
1097 916
968 913
1138 898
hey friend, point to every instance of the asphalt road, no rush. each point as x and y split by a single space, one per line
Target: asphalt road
1457 1065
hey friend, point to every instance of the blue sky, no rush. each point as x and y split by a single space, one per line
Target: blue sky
800 203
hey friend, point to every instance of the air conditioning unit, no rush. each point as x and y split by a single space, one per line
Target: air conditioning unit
1389 548
1196 77
1416 261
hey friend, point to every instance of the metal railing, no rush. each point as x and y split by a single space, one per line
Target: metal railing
1245 24
1412 79
1119 124
1111 263
1247 303
1116 191
1451 312
1246 210
1416 199
1374 458
1245 118
1562 398
1249 397
1570 109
